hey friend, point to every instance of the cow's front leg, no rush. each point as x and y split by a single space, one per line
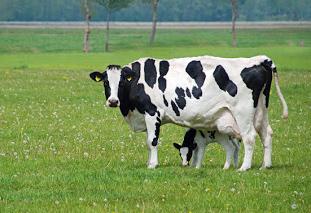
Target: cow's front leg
153 123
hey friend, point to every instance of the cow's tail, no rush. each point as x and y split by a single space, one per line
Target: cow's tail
269 65
281 97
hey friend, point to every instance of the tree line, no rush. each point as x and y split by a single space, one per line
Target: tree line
168 10
115 5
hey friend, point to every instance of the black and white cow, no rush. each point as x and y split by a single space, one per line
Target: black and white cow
208 93
198 138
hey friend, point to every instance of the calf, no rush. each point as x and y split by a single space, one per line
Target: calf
194 138
198 92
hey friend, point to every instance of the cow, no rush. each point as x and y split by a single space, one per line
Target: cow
194 137
230 95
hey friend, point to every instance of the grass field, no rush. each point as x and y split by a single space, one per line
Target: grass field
61 150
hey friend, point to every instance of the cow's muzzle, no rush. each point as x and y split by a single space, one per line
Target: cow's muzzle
113 103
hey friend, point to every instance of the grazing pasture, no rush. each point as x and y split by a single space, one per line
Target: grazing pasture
62 150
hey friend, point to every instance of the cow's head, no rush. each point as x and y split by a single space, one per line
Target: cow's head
185 152
116 82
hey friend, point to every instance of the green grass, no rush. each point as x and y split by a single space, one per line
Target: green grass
64 40
61 150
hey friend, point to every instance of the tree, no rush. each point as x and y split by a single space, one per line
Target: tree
234 4
110 6
154 5
87 14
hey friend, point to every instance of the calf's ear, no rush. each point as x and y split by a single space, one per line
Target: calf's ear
193 146
96 76
177 146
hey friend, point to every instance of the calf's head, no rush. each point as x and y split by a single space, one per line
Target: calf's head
185 152
116 81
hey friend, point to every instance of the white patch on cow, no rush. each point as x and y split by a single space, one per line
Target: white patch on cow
183 153
114 76
136 120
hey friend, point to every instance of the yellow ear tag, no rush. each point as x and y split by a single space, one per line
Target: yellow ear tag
97 78
129 78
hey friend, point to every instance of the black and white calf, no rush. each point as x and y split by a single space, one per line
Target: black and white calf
195 141
205 93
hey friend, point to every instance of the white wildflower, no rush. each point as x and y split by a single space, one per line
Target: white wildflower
294 206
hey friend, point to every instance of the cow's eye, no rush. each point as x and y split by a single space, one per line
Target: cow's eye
105 83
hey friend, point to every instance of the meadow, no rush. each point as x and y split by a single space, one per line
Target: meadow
62 150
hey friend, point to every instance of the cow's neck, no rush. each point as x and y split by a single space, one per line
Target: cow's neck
125 103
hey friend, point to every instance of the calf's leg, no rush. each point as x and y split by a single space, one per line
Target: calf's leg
228 146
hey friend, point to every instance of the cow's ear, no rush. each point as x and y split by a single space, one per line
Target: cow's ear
128 73
96 76
194 146
177 146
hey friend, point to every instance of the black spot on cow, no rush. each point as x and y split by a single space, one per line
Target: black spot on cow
164 67
150 72
188 92
202 134
136 68
195 71
165 101
267 65
223 81
255 78
157 131
211 134
162 83
180 100
175 108
196 92
113 66
141 100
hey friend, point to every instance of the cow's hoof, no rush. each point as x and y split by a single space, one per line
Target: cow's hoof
226 167
244 168
152 166
265 167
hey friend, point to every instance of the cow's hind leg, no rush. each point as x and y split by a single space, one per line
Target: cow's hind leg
153 124
265 133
